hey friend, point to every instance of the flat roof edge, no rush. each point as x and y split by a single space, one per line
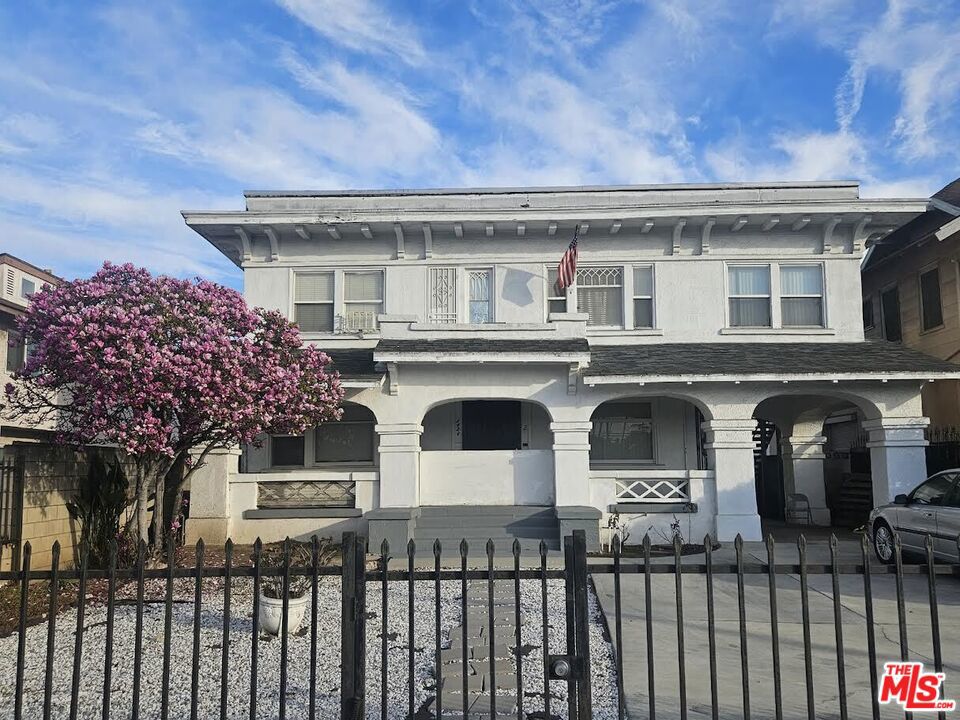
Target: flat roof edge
518 190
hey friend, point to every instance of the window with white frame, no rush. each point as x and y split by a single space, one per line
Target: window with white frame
749 295
362 299
801 295
480 284
338 300
27 287
622 432
313 302
643 296
600 295
556 298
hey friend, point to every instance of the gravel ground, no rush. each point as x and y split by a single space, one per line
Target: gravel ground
328 651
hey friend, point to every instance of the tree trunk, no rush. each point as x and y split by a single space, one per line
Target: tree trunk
143 497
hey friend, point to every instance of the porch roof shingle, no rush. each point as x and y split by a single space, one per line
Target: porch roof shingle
868 358
354 364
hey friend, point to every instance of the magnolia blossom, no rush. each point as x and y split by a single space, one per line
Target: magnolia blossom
158 365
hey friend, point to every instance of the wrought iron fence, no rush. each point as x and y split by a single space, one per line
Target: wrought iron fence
370 587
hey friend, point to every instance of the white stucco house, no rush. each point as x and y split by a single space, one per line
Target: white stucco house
483 402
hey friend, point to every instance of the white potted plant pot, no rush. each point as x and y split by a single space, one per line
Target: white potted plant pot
271 613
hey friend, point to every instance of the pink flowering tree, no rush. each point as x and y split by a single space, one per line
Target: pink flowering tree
168 370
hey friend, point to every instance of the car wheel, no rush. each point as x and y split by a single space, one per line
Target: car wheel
883 542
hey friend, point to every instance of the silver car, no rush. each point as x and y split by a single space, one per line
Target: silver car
933 508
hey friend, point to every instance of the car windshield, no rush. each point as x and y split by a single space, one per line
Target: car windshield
933 490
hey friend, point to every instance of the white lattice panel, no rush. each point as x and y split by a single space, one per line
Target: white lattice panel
653 490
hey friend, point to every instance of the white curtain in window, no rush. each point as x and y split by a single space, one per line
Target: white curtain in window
363 286
802 312
799 280
749 312
314 286
750 280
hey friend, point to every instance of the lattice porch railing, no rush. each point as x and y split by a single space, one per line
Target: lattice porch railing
306 493
653 490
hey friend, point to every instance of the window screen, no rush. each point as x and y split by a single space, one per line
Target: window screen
480 282
348 440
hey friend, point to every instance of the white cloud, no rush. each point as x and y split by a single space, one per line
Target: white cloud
22 132
809 156
359 25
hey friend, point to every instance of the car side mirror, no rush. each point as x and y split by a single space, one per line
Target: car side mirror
901 499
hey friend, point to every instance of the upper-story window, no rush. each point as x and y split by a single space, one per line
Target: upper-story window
749 291
600 295
643 296
338 300
460 295
16 351
481 295
801 295
890 310
931 307
27 287
556 298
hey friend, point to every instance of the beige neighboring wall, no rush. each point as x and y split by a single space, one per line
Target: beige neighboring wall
941 400
51 477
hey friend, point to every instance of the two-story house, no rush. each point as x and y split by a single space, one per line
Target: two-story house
484 402
911 293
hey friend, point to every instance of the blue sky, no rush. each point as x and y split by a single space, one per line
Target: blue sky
116 116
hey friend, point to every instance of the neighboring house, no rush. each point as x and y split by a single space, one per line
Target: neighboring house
911 294
36 477
483 401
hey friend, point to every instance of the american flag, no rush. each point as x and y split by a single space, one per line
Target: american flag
567 269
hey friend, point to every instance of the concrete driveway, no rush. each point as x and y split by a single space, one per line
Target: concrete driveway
823 640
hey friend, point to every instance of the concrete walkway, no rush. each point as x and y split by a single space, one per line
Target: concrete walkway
760 658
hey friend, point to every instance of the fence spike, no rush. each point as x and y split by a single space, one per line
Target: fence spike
490 548
516 547
464 548
385 548
437 548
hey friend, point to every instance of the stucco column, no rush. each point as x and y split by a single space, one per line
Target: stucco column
730 447
571 462
399 464
210 497
803 473
898 461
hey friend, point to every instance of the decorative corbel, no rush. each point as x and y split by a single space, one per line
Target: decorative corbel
302 232
771 223
244 243
427 240
739 223
366 231
393 372
458 229
573 374
859 236
398 230
551 228
274 243
705 235
677 233
828 233
615 227
646 227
